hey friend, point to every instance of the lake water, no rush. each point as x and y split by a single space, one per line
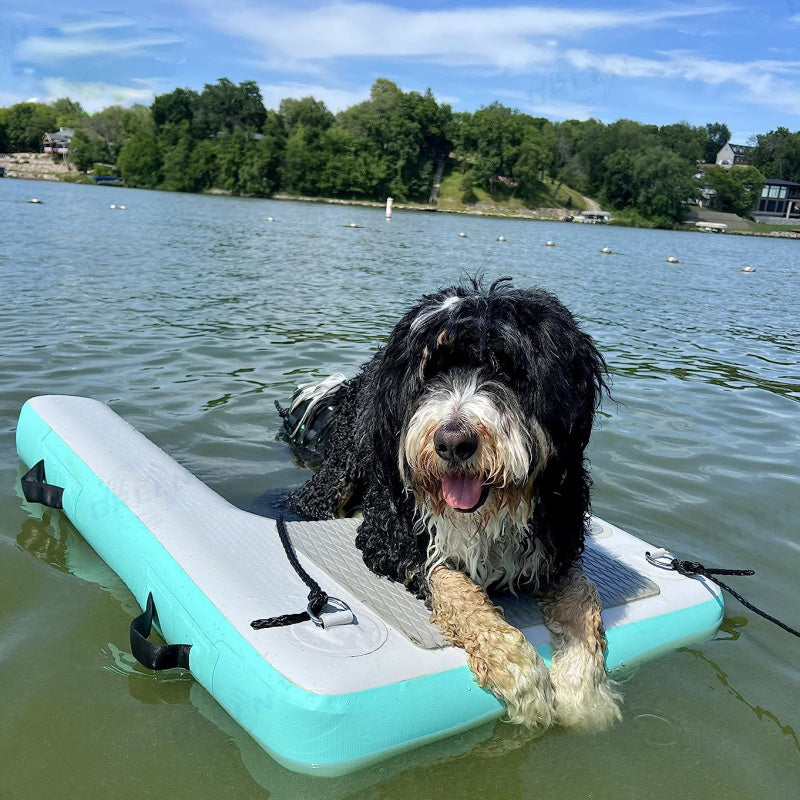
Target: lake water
190 315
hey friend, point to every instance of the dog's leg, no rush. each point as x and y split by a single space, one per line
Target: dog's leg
584 696
499 656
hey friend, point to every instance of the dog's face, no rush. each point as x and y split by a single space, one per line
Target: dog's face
488 390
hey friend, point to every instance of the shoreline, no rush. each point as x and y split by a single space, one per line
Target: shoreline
40 166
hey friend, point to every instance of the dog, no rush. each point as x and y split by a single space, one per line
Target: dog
463 442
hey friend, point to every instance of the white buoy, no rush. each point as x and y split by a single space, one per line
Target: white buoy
270 219
672 260
606 250
548 243
352 225
35 200
122 208
748 269
463 235
501 238
112 206
389 202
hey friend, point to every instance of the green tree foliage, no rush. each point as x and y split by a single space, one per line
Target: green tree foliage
777 154
654 180
717 136
736 188
403 136
86 150
392 144
69 113
139 160
223 106
26 124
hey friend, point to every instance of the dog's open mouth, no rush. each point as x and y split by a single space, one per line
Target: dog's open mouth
464 493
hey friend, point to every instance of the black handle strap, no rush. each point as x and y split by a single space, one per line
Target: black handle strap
37 490
152 655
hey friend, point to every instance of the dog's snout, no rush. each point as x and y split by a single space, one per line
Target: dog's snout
455 442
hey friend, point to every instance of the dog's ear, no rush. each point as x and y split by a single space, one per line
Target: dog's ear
561 373
396 381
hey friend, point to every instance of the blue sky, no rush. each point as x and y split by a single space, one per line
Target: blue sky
655 62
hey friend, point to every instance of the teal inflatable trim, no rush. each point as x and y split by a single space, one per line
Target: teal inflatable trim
306 732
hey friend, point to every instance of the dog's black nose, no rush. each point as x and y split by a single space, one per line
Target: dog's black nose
454 442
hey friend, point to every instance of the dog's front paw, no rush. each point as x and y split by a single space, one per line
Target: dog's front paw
514 672
584 697
500 657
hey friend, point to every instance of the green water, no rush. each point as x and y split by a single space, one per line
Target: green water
190 315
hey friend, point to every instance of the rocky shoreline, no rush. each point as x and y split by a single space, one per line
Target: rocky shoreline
36 166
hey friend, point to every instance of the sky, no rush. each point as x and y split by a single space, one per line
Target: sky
657 62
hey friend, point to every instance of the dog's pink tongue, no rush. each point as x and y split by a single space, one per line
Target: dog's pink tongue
461 491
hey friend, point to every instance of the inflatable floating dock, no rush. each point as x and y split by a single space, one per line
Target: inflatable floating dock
376 678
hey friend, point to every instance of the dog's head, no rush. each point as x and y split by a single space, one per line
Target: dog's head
481 391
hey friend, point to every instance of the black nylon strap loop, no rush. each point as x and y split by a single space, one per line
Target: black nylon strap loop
317 598
149 654
37 490
696 568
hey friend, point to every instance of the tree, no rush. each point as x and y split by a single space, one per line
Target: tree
717 136
175 145
175 107
86 150
224 106
26 125
686 140
653 180
736 189
69 113
777 154
139 160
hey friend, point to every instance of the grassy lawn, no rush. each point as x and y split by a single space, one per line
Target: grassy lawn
552 196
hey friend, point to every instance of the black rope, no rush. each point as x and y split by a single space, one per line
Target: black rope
316 597
695 568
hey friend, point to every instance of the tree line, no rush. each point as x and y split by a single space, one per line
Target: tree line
393 144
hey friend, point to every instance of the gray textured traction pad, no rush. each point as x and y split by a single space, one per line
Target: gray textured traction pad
330 545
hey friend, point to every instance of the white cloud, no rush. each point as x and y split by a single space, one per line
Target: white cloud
763 82
100 24
334 99
95 95
555 109
511 38
47 49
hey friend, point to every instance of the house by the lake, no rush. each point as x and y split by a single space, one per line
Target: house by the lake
732 155
58 142
779 202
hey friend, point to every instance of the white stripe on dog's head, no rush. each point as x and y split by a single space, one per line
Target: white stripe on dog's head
428 314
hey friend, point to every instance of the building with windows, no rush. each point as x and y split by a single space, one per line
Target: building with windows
58 142
733 155
779 201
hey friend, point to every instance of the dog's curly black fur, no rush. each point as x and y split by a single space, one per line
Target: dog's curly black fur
522 344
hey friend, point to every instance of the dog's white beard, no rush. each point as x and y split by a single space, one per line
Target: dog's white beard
494 549
489 544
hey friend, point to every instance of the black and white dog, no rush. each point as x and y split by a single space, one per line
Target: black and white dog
463 442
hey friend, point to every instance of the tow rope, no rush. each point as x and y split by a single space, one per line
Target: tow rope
665 560
318 600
